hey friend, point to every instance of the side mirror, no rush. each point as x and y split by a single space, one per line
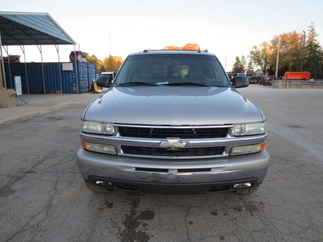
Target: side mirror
240 81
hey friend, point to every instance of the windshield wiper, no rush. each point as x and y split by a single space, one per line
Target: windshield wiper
127 84
185 84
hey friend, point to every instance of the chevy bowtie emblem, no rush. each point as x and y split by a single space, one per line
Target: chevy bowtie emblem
173 143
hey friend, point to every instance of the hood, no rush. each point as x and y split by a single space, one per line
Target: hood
173 105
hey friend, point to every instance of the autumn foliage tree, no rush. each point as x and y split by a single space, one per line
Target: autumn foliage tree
297 51
261 56
291 52
110 63
189 46
94 60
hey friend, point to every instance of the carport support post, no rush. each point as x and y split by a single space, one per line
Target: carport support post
76 71
42 67
59 68
6 48
3 71
22 47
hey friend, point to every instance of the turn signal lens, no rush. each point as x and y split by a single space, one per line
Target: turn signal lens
262 147
247 149
99 148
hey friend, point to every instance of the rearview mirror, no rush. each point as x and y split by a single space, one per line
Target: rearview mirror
240 81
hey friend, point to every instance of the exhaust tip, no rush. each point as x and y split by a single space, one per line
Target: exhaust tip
242 185
104 184
99 183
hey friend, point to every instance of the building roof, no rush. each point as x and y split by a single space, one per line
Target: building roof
21 28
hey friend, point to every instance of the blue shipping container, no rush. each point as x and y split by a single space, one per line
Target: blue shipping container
52 78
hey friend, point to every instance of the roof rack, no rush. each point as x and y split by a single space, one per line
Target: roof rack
145 51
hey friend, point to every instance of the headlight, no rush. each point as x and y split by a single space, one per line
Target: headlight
248 129
97 128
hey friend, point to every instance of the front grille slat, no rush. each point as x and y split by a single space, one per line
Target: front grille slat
183 133
152 151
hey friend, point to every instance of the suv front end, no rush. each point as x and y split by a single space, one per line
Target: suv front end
202 157
205 139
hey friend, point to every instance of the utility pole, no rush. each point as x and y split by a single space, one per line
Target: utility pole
303 52
277 59
109 44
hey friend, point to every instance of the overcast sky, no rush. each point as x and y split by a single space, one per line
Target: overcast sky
226 28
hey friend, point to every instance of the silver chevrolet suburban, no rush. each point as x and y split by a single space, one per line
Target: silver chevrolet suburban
173 121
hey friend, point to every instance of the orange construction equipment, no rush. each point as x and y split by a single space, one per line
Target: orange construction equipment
298 75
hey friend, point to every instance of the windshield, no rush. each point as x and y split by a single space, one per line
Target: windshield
172 69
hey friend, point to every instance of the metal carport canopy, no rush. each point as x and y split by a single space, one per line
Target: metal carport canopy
20 28
29 28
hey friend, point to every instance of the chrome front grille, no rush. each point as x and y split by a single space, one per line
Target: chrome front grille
159 134
166 132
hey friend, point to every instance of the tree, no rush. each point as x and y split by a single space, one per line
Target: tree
191 46
313 61
250 66
91 59
237 66
112 63
260 56
244 62
291 52
188 46
94 60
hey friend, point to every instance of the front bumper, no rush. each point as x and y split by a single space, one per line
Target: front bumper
161 172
